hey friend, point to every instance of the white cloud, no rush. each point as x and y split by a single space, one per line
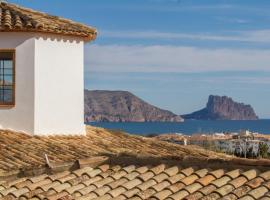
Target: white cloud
117 58
236 80
233 20
262 36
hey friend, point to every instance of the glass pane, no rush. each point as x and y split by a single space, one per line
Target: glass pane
1 96
8 64
6 87
8 71
6 77
8 80
7 96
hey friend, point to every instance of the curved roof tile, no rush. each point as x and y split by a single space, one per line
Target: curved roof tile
14 18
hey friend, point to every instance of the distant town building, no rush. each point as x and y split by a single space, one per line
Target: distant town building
239 147
244 134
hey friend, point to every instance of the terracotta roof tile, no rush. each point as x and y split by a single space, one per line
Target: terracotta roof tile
265 175
160 177
24 152
146 176
201 173
207 189
157 182
229 197
193 187
233 174
176 178
172 170
117 183
85 191
217 173
120 180
224 190
195 196
212 196
221 181
132 192
133 183
117 191
162 194
206 180
146 184
258 192
241 191
250 174
160 186
142 170
187 171
265 198
46 187
247 198
238 181
256 182
18 19
121 197
179 195
178 186
190 179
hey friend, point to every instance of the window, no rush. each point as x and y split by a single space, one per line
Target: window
7 78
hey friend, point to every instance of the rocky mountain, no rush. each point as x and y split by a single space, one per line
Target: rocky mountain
223 108
122 106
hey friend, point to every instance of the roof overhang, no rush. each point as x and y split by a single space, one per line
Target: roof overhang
14 18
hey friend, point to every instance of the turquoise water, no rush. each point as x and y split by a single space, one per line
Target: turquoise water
187 127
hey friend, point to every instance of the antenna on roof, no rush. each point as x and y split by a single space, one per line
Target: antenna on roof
47 160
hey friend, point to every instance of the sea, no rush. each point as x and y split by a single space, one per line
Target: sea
188 127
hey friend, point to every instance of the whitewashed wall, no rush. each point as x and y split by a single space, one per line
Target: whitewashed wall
59 94
21 116
49 85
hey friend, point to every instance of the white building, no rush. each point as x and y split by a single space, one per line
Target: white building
239 146
226 146
41 72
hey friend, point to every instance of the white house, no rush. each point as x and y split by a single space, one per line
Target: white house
41 72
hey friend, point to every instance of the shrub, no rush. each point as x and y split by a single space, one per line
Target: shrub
263 148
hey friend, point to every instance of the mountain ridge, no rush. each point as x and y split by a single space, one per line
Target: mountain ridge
123 106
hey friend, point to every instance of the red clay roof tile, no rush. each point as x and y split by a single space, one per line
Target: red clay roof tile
18 19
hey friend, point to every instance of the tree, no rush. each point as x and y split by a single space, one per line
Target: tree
263 148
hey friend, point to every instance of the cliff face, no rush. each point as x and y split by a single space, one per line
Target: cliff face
223 108
121 106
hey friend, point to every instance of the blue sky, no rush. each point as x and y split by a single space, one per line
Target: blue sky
174 53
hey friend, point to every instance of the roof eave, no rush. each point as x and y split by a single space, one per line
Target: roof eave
91 37
87 37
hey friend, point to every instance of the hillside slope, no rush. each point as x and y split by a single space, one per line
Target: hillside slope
122 106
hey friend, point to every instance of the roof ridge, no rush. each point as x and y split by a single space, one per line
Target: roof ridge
38 21
45 14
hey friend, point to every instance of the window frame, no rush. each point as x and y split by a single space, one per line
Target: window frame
11 104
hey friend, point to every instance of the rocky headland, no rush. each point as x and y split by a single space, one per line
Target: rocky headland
223 108
122 106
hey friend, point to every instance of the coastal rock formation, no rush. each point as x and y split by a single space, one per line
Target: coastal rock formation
223 108
122 106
